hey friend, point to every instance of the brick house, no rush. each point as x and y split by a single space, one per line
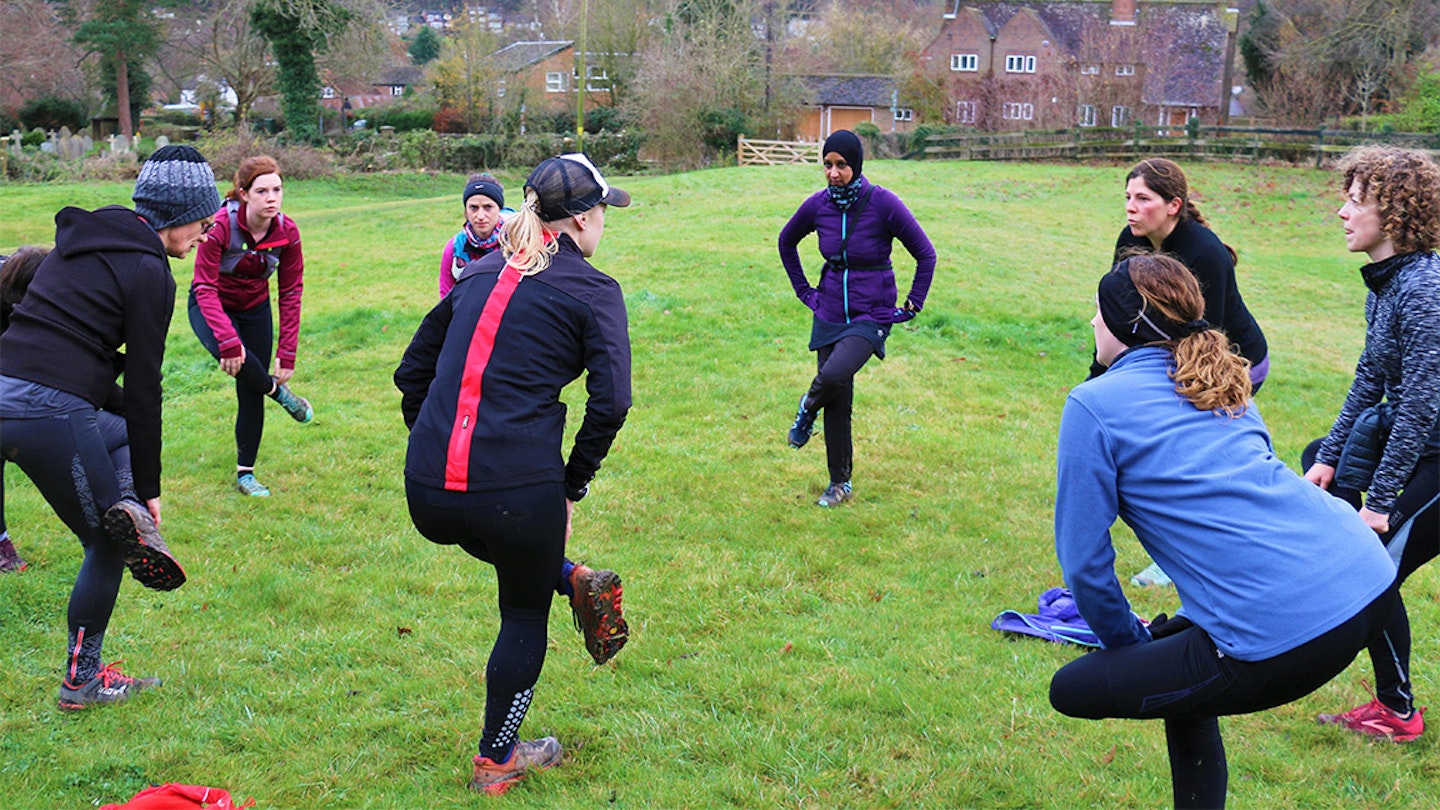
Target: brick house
1051 64
546 72
841 102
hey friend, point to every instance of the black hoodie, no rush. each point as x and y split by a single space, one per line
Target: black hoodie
106 284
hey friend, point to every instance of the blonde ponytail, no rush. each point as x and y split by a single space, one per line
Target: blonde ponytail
527 243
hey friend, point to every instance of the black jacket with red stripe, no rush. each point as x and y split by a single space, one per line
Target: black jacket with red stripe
480 382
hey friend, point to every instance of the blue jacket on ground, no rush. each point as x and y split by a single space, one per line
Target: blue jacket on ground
1263 560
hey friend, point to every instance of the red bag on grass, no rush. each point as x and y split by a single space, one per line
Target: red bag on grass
172 796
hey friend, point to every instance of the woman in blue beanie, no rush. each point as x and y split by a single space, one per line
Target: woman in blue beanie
856 223
1281 585
106 284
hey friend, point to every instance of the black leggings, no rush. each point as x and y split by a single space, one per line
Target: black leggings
256 328
521 532
1184 680
1413 540
833 390
79 460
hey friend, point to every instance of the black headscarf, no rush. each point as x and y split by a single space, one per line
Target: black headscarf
847 145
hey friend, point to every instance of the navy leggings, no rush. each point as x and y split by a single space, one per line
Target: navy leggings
1413 540
833 390
1186 681
79 459
521 532
256 328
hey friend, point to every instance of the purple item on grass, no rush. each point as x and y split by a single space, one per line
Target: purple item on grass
1058 620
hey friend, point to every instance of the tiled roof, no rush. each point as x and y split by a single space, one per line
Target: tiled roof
519 55
851 91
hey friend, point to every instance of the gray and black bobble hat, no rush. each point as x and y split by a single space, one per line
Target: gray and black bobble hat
175 186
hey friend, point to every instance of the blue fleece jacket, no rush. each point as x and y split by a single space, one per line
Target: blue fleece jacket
1263 560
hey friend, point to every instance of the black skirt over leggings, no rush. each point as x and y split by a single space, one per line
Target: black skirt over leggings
1189 683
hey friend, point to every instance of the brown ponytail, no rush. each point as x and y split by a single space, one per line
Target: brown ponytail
1208 371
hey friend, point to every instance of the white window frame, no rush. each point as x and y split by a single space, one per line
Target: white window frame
965 62
597 79
966 112
500 89
1019 63
397 89
1124 70
327 92
555 81
1018 111
1119 116
1085 115
904 114
1089 69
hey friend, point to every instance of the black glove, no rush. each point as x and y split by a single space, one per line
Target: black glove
1162 626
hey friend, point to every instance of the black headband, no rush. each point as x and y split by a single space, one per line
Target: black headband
1126 316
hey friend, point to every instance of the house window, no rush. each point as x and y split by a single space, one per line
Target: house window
500 88
968 62
1018 111
397 89
965 111
555 82
1019 63
1089 70
596 79
327 92
1119 116
904 114
1124 70
1085 115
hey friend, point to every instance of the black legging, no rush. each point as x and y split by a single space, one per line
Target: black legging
833 390
521 532
1184 680
1415 520
78 457
256 328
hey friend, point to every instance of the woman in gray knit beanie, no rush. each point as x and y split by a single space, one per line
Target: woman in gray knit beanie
106 284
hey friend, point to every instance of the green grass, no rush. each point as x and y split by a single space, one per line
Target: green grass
781 655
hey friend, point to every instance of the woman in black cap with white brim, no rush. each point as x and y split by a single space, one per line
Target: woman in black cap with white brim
106 284
480 385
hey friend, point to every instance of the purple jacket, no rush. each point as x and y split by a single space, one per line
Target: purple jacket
865 289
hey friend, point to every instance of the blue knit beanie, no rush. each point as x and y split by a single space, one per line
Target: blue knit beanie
175 186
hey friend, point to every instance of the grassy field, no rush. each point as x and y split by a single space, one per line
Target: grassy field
324 654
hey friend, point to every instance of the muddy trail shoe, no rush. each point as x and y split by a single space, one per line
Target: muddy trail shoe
1375 719
109 685
804 426
494 778
596 607
10 560
146 555
252 487
297 406
835 494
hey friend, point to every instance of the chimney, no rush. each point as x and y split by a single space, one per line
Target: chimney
1122 12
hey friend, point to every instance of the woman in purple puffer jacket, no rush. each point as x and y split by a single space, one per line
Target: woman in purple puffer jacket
855 222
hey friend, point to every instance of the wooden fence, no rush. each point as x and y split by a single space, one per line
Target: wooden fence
750 152
1232 144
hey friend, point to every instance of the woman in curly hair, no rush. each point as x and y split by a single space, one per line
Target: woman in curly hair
1392 215
1281 585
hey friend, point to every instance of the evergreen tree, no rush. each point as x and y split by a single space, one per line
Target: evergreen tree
426 47
297 30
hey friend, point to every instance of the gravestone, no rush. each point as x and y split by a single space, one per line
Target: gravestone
162 142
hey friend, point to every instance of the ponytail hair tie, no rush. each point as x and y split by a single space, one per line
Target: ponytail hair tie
1193 327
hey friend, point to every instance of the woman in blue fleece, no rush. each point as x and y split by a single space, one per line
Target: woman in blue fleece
1281 585
855 223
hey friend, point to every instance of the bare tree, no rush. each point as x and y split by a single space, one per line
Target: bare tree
28 72
237 55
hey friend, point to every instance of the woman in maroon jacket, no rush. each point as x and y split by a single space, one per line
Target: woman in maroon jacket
230 305
480 387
